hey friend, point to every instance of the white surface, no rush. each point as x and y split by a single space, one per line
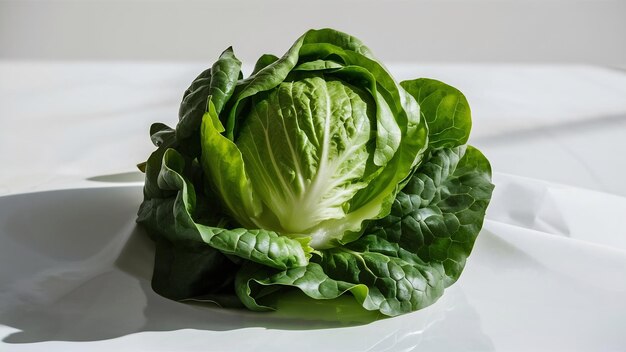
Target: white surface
547 272
80 280
63 123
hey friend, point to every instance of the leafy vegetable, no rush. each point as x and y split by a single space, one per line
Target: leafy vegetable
319 173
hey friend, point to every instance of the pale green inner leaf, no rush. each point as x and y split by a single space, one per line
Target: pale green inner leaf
306 142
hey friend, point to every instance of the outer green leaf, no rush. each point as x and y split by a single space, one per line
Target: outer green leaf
193 269
440 211
403 262
223 165
340 39
311 279
161 134
224 75
152 167
193 105
445 109
174 222
264 61
265 79
396 284
218 82
318 65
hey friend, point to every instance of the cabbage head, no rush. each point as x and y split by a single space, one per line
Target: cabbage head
318 172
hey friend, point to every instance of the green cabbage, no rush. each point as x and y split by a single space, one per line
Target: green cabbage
317 172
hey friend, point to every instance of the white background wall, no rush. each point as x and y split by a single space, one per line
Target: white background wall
575 31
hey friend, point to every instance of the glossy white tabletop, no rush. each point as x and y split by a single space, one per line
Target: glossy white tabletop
548 271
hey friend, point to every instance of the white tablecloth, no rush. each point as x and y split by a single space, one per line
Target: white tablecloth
550 261
67 124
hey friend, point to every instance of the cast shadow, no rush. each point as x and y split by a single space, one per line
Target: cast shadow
83 271
123 177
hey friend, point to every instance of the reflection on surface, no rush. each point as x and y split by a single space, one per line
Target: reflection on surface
82 273
451 324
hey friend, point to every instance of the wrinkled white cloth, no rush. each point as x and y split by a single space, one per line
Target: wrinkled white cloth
550 260
555 209
549 264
